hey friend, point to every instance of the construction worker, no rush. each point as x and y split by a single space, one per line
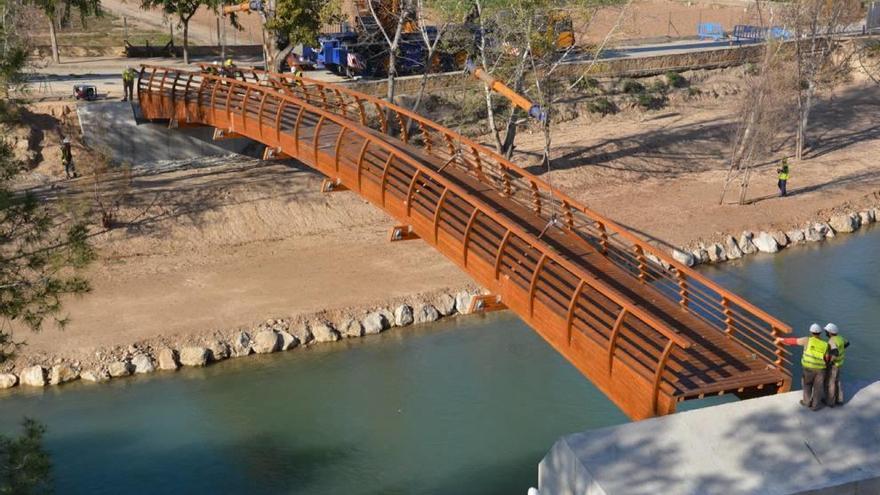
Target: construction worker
128 77
814 361
837 348
228 68
783 175
67 158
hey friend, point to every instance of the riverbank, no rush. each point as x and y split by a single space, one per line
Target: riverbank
200 254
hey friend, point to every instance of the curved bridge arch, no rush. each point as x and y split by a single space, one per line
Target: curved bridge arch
648 331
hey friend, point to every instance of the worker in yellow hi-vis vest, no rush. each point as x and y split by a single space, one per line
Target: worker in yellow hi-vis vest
783 175
837 348
814 361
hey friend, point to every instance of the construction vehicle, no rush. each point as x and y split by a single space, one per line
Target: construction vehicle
362 50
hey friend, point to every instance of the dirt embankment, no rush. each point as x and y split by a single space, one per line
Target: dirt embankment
227 247
661 172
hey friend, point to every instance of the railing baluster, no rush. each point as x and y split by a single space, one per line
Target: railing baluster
317 136
437 214
411 191
279 109
299 116
569 320
360 162
612 339
658 376
728 316
385 176
534 282
467 235
337 147
362 113
643 264
682 288
501 252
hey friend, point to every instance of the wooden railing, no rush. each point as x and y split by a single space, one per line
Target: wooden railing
724 310
277 108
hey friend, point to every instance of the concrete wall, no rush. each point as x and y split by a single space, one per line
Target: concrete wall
112 126
770 445
645 66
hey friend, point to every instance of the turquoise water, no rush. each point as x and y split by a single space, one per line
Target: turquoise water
464 406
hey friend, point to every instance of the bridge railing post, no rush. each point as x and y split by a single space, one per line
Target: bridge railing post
682 288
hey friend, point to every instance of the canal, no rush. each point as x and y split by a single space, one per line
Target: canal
468 405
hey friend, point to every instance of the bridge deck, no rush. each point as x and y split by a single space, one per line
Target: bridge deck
648 332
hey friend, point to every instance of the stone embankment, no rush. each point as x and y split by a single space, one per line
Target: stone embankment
274 335
733 248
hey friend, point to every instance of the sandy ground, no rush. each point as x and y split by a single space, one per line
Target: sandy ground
227 247
661 172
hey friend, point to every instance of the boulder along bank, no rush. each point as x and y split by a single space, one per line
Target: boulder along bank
734 247
272 335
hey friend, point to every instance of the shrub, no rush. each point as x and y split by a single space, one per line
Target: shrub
676 80
590 85
602 106
632 87
692 91
752 69
659 86
651 102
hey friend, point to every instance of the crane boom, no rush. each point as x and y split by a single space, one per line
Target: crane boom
247 7
533 109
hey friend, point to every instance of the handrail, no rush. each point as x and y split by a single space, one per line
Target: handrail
563 203
669 333
612 225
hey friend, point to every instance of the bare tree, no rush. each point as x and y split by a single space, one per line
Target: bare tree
521 43
764 109
815 23
392 20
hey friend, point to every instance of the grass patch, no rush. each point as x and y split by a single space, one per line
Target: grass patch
632 87
106 31
650 101
676 80
602 106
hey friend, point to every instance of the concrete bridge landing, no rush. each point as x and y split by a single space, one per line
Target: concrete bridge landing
766 446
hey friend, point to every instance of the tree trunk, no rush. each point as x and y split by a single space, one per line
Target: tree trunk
392 73
186 42
54 37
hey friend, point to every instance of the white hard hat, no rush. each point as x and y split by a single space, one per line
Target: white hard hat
831 328
67 140
814 328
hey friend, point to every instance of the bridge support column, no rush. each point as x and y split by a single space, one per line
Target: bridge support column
330 185
220 134
486 303
402 233
270 153
177 124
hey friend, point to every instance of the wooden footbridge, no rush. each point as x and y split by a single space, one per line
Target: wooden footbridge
648 331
